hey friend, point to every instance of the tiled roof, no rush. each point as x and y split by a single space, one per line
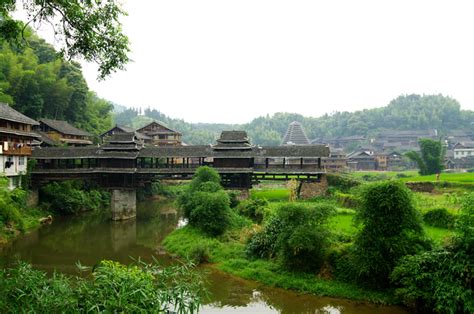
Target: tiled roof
45 138
295 135
187 151
10 114
233 136
64 127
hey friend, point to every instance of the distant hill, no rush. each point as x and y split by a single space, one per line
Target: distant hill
406 112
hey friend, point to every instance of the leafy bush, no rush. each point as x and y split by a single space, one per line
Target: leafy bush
436 281
11 203
253 209
210 212
263 243
391 229
439 217
342 263
347 200
113 288
442 281
205 204
199 254
70 197
342 183
297 235
233 197
375 177
203 175
304 236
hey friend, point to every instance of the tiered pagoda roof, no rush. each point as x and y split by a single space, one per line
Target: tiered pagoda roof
122 142
295 135
233 140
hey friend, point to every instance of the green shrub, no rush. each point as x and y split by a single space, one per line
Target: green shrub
211 212
436 281
439 217
391 229
253 209
11 203
233 198
304 235
342 183
297 235
205 204
199 254
442 281
112 288
347 200
70 197
375 177
202 175
342 263
263 243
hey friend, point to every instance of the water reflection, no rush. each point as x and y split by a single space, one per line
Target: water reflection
235 295
92 237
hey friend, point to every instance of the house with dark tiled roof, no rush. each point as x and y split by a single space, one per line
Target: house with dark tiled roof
463 150
337 160
161 135
63 133
16 136
119 129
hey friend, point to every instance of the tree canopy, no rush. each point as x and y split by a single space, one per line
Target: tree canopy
39 83
89 29
406 112
431 159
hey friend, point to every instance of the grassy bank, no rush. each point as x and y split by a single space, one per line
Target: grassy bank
227 254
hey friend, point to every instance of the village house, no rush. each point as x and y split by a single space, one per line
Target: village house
16 136
463 150
160 135
120 129
62 133
341 141
336 162
362 160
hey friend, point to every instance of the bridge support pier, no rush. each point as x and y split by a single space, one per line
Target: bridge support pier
308 190
123 204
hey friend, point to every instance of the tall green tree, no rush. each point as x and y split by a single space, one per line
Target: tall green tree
391 229
89 29
431 159
39 83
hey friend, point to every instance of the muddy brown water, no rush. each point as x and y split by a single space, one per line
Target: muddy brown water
92 237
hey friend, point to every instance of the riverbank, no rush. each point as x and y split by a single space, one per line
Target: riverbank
63 198
228 251
228 254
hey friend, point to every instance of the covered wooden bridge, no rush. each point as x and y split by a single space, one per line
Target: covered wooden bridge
124 163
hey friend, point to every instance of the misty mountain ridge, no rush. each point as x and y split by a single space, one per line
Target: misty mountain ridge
406 112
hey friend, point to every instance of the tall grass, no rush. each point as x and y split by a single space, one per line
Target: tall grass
111 288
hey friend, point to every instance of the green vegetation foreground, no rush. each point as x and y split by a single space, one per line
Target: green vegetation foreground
110 288
310 246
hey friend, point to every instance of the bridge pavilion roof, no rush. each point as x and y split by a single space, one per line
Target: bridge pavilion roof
306 151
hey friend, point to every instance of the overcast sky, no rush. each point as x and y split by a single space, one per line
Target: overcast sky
231 61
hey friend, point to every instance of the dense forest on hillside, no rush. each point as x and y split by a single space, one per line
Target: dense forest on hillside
407 112
37 81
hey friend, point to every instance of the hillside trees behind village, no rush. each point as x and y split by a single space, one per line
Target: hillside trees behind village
406 112
39 83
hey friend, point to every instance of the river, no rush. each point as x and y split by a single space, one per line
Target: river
91 237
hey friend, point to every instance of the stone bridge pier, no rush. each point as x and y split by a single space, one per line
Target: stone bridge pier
123 203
